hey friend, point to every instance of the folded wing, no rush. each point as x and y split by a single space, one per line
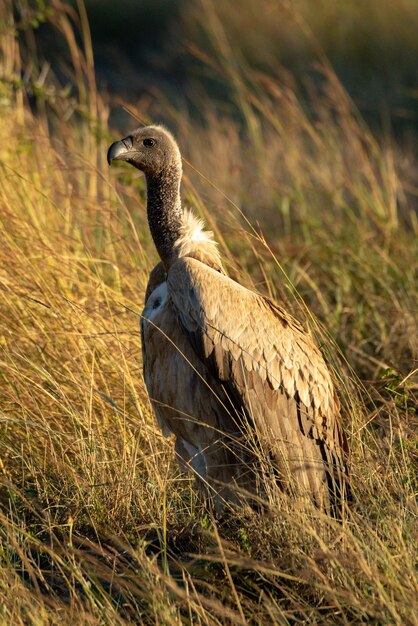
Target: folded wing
273 374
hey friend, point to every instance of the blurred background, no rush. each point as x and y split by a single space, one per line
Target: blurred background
176 50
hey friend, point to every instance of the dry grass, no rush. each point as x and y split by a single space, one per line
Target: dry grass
97 523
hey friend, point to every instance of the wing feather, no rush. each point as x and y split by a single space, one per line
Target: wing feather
271 368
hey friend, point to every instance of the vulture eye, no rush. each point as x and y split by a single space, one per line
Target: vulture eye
149 142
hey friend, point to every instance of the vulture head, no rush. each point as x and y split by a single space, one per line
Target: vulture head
152 150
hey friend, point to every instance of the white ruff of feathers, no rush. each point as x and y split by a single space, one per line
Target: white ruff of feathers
194 241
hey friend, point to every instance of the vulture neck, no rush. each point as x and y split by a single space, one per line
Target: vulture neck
164 210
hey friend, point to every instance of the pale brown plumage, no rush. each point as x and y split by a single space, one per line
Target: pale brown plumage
232 375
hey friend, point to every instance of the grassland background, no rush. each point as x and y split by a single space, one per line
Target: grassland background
308 176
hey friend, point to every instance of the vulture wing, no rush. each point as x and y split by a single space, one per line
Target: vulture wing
273 374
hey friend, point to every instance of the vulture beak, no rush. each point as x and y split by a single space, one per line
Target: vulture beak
120 150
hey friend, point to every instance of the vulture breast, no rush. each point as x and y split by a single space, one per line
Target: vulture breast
188 402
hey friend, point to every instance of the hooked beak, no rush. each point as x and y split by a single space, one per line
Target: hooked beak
120 150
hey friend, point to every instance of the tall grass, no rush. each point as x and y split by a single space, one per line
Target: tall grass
98 525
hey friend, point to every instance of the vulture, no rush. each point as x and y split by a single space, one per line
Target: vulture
229 373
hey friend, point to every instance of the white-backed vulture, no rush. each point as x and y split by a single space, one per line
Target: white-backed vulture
233 376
